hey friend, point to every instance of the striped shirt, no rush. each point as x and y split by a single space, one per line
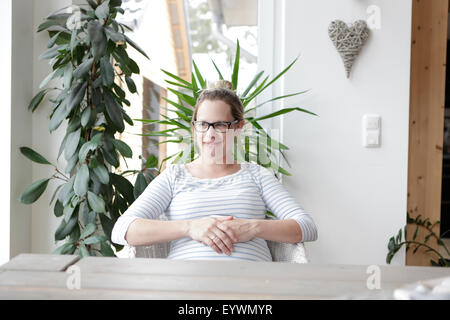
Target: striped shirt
245 194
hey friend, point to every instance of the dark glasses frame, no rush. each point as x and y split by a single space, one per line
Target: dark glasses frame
214 124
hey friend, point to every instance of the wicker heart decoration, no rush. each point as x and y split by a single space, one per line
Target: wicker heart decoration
348 40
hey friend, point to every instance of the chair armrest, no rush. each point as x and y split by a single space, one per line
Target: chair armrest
287 252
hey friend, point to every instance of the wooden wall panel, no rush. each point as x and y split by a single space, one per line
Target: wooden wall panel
426 118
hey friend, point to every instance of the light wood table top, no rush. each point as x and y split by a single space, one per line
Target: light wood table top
37 276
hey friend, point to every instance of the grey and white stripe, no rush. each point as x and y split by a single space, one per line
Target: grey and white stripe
246 194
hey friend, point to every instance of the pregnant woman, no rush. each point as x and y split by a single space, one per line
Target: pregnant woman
215 206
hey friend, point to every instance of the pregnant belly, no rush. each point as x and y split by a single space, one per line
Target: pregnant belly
188 249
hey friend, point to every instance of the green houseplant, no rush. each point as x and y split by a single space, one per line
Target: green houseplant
258 146
396 242
87 52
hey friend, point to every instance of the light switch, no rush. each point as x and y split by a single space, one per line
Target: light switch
371 130
372 139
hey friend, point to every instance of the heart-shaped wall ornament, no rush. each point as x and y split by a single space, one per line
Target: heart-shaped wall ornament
348 40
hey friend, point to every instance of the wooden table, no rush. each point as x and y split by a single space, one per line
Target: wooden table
37 276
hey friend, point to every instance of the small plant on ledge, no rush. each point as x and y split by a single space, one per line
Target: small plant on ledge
395 243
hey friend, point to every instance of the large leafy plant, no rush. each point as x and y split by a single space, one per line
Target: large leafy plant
88 55
258 146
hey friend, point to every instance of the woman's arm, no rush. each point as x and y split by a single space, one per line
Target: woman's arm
145 232
242 230
148 206
278 230
284 207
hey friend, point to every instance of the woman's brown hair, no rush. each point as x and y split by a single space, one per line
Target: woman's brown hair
221 90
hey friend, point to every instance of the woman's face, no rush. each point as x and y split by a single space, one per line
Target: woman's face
213 145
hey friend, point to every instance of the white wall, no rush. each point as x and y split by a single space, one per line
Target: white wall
21 94
44 223
5 130
357 196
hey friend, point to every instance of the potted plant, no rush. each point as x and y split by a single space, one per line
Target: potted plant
395 243
88 54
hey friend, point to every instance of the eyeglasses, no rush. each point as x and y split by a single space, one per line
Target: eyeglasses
220 126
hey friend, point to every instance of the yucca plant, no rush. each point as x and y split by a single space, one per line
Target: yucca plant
395 243
258 147
87 52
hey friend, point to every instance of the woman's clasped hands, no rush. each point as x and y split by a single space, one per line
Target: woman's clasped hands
220 232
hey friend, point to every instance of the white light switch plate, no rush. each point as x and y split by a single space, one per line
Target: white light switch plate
371 130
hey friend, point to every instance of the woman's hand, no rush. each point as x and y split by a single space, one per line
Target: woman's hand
205 230
239 230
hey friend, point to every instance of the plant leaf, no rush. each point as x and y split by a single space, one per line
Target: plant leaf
81 183
280 97
282 111
187 111
258 91
83 68
52 52
130 84
134 45
65 228
64 194
139 185
107 225
34 191
123 186
102 173
114 111
77 95
98 38
95 239
105 249
177 78
152 161
58 209
123 148
95 202
190 100
37 99
68 211
114 36
107 72
33 155
58 116
415 233
102 11
217 69
234 75
252 83
66 248
201 81
89 146
84 252
73 139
